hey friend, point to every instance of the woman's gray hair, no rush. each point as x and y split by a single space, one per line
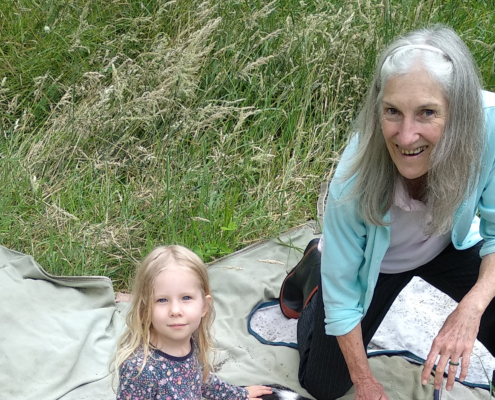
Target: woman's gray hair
455 160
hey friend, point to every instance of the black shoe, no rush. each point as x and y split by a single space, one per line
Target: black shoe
302 282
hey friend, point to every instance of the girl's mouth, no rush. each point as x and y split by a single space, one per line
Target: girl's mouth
413 152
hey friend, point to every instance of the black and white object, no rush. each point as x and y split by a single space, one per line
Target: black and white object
282 393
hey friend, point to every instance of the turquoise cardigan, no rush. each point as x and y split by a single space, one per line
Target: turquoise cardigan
353 250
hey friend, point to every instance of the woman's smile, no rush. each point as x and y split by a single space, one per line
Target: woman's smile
413 152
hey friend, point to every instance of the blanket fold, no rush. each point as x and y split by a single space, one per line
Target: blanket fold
57 334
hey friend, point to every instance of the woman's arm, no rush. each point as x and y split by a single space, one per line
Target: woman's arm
457 336
366 385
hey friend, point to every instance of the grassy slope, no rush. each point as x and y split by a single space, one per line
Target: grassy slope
126 124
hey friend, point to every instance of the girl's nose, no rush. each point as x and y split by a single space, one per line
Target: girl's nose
175 309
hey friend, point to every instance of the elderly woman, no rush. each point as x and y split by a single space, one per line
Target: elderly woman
403 203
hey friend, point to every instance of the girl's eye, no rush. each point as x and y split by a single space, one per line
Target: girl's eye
187 298
162 300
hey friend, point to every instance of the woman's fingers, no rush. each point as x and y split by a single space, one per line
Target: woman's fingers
369 389
442 364
466 358
453 367
429 364
453 344
454 362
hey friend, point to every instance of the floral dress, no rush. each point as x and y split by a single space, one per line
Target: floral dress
165 377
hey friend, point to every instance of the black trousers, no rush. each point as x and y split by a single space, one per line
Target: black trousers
323 371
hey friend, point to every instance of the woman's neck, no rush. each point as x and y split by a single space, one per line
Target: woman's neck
416 187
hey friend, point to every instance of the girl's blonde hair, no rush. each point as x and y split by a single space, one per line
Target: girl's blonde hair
138 332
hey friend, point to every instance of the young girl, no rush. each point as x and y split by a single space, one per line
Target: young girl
164 353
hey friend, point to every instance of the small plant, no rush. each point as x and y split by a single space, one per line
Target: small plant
490 382
492 387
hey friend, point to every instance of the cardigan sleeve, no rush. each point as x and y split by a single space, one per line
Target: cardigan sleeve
486 203
342 256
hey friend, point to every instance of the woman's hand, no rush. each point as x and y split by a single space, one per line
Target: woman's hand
455 340
365 384
256 391
369 389
458 333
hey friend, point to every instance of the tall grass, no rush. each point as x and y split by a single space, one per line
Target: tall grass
125 124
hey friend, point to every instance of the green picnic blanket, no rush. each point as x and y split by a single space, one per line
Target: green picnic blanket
58 334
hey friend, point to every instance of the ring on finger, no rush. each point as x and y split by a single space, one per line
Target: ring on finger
453 363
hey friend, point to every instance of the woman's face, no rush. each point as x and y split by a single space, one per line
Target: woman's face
414 111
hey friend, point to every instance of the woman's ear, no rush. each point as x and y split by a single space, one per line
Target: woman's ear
208 302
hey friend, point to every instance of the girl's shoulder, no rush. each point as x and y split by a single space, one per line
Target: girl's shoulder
141 364
138 378
134 361
137 358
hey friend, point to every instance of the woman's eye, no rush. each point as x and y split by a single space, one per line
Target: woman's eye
391 114
429 113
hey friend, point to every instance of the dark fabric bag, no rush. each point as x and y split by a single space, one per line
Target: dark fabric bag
302 282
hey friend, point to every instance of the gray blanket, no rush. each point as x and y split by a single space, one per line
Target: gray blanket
58 334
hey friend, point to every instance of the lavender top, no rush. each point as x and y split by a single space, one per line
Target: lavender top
165 377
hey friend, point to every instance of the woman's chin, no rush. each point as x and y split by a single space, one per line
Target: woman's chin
412 175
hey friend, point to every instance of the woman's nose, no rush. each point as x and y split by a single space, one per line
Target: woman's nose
408 132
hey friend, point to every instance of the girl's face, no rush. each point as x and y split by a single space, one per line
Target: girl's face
414 112
178 306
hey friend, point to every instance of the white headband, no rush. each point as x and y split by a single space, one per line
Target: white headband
417 46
